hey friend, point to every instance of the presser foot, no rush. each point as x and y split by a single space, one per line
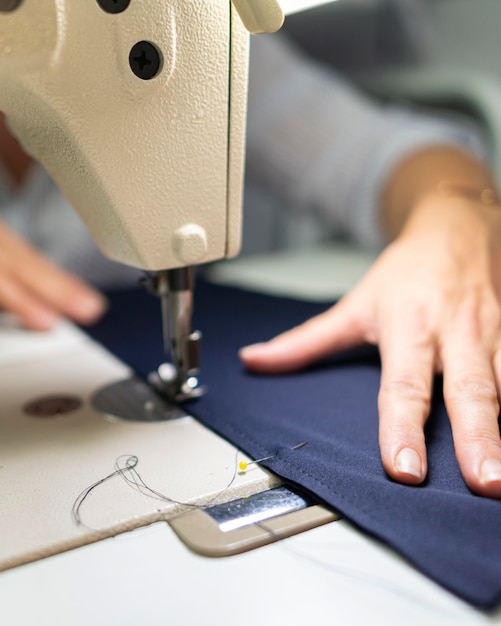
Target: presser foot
167 382
177 380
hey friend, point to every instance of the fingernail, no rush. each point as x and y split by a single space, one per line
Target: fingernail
91 307
408 461
490 471
252 350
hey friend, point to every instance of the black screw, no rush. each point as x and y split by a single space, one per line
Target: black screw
113 6
145 60
9 5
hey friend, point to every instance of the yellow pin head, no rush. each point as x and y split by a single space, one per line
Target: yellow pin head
243 465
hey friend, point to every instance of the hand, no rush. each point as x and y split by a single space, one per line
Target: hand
432 304
37 291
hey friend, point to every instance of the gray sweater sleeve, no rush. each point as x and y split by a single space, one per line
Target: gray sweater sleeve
325 147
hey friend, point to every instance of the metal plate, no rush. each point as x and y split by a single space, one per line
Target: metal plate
134 400
238 526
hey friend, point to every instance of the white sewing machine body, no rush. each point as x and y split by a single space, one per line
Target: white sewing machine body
137 109
138 115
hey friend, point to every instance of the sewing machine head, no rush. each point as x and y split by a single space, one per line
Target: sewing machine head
137 110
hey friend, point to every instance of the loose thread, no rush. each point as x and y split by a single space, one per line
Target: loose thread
133 478
128 472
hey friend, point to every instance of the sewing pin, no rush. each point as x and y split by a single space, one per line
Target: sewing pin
243 465
300 445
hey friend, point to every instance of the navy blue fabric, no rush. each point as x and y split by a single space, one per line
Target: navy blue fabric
441 527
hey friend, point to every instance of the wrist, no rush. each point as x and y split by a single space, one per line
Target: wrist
436 174
460 217
488 196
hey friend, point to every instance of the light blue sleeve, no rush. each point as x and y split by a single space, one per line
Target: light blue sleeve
328 149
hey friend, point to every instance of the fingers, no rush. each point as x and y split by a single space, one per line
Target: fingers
39 313
407 355
37 291
336 329
31 312
471 397
64 294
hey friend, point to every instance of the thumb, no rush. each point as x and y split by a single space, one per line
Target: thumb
336 329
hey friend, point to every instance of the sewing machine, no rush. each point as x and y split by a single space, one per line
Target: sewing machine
137 110
202 201
139 116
